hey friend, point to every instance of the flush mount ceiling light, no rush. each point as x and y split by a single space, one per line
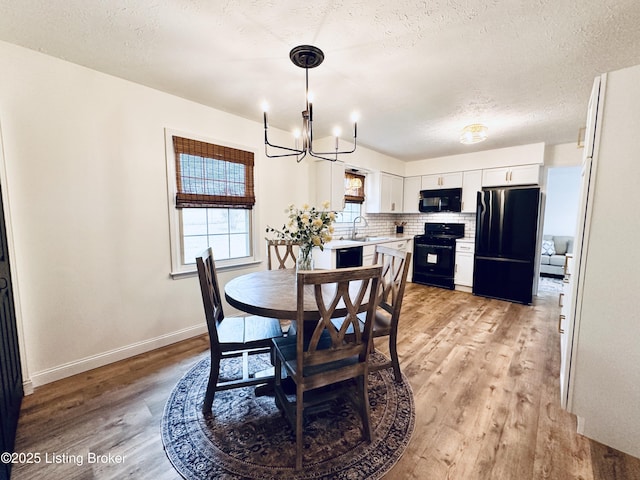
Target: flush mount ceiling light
307 56
474 133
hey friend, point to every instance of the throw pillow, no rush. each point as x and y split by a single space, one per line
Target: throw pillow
548 248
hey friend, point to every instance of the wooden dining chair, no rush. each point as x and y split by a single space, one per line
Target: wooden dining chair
322 354
395 268
232 336
281 254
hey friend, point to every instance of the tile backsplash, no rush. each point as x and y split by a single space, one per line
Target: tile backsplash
381 224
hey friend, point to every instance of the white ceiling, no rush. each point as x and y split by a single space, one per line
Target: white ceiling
416 71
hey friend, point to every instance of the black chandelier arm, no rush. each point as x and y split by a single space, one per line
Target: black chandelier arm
283 155
335 152
341 152
293 150
314 155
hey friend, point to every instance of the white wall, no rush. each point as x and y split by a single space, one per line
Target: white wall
562 198
503 157
86 182
364 158
563 155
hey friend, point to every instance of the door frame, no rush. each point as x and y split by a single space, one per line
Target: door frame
27 385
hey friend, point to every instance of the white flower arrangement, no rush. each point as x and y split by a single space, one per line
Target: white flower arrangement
307 226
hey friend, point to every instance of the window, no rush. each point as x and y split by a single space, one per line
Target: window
350 212
353 197
211 202
210 175
225 229
353 187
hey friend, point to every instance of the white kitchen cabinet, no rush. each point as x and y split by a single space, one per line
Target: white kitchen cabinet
507 176
384 193
471 184
564 319
326 258
411 196
464 264
442 180
369 250
330 184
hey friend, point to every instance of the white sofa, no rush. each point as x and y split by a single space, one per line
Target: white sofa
553 254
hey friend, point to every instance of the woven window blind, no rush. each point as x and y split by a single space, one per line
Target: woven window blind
353 188
209 175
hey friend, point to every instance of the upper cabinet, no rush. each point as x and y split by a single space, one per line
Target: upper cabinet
387 193
384 193
411 197
506 176
442 180
330 184
471 185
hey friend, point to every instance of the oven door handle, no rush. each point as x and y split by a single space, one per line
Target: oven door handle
441 247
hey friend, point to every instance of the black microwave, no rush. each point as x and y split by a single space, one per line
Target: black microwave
441 200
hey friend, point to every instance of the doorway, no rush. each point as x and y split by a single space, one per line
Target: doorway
559 225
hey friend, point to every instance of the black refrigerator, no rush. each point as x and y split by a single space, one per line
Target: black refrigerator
505 250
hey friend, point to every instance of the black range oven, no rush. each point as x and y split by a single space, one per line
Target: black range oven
434 254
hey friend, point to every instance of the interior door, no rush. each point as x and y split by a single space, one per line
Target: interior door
10 370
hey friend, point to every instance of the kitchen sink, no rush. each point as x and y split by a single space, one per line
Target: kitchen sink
371 239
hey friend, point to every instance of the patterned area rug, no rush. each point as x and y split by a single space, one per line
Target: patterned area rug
248 438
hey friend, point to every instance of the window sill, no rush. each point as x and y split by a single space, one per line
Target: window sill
192 271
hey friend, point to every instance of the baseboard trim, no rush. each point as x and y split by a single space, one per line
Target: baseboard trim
27 387
88 363
580 425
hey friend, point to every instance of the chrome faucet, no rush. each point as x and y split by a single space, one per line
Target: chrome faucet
353 231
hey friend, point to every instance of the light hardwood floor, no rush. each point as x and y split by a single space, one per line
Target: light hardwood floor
484 375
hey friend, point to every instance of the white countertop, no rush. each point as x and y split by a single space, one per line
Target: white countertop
373 240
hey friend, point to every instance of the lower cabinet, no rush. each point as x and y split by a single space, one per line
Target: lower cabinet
564 322
464 265
327 258
369 250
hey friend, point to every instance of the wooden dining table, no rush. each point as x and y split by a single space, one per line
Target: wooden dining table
273 293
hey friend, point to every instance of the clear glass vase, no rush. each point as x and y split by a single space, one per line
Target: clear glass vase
305 259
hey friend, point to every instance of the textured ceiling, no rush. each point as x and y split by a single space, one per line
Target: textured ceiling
416 71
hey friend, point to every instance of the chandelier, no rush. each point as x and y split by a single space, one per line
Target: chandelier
307 56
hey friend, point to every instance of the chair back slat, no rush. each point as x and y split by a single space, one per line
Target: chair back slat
281 254
352 289
395 267
209 287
